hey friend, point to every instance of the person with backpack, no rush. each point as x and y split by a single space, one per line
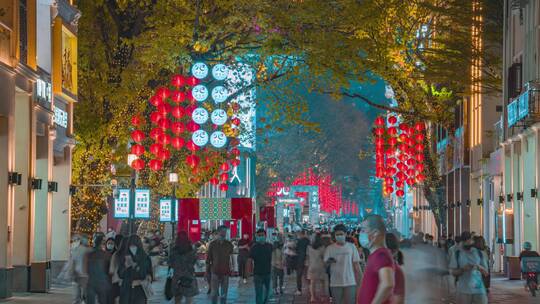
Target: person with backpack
468 265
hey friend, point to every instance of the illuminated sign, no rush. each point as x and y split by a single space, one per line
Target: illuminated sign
165 210
142 203
60 117
43 91
512 113
121 204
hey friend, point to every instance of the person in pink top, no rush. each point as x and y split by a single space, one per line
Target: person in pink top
378 281
392 243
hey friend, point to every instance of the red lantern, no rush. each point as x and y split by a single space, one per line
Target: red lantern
235 121
410 181
389 181
155 133
192 160
420 167
192 126
189 110
164 139
392 120
137 150
402 147
401 176
419 137
164 123
155 117
391 161
419 147
402 138
390 152
420 157
177 143
223 187
379 173
410 162
235 152
419 126
379 121
164 154
155 100
137 135
136 120
403 157
420 178
391 171
177 127
378 131
404 127
164 109
410 142
235 162
402 167
178 96
137 164
379 142
177 112
392 131
163 92
192 146
178 81
155 148
392 141
400 193
224 177
389 190
411 172
155 164
192 81
214 181
400 184
224 167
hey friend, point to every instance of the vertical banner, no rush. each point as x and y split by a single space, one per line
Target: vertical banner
142 203
121 204
165 210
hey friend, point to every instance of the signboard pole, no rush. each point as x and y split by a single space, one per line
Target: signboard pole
173 212
132 187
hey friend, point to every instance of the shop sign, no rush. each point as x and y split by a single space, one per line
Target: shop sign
165 210
142 203
43 91
60 117
121 204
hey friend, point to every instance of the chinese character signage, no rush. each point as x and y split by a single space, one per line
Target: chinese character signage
121 204
512 113
165 210
142 203
60 117
523 105
43 91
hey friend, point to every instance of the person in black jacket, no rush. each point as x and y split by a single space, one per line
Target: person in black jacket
97 265
134 269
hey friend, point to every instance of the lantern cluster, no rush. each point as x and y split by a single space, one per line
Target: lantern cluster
178 121
399 154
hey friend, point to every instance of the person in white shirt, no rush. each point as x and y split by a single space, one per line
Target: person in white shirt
344 262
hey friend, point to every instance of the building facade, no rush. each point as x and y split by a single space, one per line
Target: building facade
37 92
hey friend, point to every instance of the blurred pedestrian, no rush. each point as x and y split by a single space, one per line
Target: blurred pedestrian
218 260
135 271
261 254
243 255
392 242
278 265
97 265
110 246
480 244
343 259
378 281
121 250
302 243
182 262
316 273
79 249
290 253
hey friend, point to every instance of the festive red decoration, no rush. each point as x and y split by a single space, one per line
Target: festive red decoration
400 184
224 167
404 127
137 150
419 137
155 100
192 160
178 81
155 164
163 92
419 157
164 154
379 142
177 112
410 162
420 178
391 161
389 189
155 148
191 146
419 126
155 117
420 167
164 109
192 126
192 81
235 152
223 187
224 177
392 141
379 121
137 164
235 121
392 120
178 143
411 172
410 181
392 131
419 147
178 96
378 131
155 133
164 123
137 135
177 127
214 181
136 120
400 193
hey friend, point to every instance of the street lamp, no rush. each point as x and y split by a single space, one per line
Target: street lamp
132 186
173 179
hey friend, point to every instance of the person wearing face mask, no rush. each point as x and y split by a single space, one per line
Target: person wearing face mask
97 265
77 268
135 270
378 280
261 254
468 265
109 246
278 264
243 254
343 259
218 261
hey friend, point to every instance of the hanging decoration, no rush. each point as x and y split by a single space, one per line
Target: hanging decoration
399 154
194 115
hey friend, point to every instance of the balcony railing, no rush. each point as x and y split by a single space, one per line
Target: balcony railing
524 110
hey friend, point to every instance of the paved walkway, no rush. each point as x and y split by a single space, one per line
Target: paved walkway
426 283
